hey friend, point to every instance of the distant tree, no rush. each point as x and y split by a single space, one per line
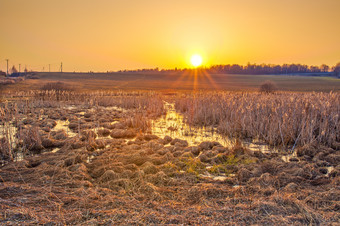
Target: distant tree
235 68
314 69
324 68
337 70
13 70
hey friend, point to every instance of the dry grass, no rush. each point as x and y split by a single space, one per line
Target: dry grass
282 119
124 186
114 180
170 82
14 115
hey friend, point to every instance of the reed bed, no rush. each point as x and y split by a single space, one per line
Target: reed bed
19 106
149 101
282 119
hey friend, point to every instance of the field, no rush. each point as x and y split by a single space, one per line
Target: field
181 81
170 149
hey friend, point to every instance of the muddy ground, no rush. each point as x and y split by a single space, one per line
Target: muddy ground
101 167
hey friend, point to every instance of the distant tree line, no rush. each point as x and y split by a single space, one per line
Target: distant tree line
254 69
267 69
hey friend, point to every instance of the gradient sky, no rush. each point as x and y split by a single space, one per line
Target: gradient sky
101 35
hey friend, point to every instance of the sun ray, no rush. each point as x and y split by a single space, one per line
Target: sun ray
211 80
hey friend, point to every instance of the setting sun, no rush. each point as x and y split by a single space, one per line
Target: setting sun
196 60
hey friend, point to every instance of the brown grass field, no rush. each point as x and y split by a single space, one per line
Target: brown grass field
82 152
181 81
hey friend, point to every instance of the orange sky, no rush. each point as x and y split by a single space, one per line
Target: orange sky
101 35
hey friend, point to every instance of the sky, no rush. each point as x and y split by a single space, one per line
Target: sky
110 35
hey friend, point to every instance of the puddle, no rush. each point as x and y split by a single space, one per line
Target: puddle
63 125
71 107
173 124
214 177
115 108
329 170
9 132
19 156
89 159
81 113
55 150
220 178
287 158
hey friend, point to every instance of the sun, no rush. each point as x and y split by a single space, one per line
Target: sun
196 60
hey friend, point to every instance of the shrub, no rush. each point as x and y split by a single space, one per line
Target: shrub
268 87
55 90
56 86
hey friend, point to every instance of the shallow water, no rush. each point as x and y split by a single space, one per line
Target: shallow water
173 124
115 108
214 177
9 131
63 125
329 170
286 158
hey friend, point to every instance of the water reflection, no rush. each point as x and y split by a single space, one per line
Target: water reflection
290 157
63 125
8 131
173 124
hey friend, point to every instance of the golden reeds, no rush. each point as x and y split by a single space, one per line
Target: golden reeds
278 119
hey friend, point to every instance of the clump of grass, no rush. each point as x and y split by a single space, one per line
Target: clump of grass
193 166
170 168
218 169
139 122
31 140
234 160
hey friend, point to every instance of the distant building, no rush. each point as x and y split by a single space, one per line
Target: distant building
17 74
2 74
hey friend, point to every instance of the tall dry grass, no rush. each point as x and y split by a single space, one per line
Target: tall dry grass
148 101
283 119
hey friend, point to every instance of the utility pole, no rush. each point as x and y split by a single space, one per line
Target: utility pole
19 68
7 66
49 68
61 67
